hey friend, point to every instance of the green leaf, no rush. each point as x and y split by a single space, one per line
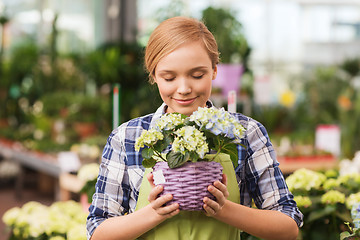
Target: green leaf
344 235
320 213
231 149
194 156
148 163
176 159
344 216
147 153
161 145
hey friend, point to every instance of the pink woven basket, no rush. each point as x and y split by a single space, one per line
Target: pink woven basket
188 183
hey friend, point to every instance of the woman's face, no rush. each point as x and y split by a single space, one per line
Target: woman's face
184 78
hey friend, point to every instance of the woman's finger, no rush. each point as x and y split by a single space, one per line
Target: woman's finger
211 207
153 195
159 206
150 178
222 187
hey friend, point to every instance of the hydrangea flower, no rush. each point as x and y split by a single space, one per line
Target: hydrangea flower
333 197
35 220
148 138
352 199
345 179
190 139
331 184
88 172
169 121
10 217
355 210
77 232
58 237
218 121
305 179
303 201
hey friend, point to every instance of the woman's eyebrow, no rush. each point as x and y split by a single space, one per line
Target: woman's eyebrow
166 71
199 68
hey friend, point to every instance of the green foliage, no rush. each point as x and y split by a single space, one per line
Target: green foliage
176 159
326 95
122 63
58 85
318 196
351 66
191 138
321 93
228 32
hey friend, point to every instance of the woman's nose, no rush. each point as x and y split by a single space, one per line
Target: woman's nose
184 86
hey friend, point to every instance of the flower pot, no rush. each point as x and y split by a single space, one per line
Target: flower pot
85 129
188 184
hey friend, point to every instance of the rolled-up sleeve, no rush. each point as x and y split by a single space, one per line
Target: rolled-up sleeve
111 196
262 178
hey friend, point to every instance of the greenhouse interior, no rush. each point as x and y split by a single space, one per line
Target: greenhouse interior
72 71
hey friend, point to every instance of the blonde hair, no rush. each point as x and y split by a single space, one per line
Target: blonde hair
171 34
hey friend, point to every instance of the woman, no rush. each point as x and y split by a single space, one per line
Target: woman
181 58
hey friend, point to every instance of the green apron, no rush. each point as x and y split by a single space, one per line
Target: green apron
193 225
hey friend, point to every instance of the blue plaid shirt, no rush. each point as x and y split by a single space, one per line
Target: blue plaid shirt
121 172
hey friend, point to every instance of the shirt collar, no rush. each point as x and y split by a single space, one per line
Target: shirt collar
162 110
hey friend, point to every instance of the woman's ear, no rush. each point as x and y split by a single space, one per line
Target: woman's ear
214 73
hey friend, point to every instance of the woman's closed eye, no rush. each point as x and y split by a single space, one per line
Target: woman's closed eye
169 79
198 76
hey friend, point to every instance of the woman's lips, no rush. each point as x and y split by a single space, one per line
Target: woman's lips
185 101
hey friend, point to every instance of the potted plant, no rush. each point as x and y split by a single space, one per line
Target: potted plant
193 144
354 228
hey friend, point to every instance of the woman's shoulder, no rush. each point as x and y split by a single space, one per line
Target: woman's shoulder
143 121
132 128
247 122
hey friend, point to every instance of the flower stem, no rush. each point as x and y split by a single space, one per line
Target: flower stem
159 155
219 149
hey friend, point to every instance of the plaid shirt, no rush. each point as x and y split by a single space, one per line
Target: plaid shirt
121 172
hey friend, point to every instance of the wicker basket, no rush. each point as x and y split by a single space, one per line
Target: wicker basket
188 183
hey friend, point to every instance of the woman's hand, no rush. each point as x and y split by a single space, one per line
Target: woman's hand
220 192
157 203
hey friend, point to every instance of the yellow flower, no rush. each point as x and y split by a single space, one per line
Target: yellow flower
11 215
333 197
331 183
77 232
305 179
302 201
57 238
352 199
287 98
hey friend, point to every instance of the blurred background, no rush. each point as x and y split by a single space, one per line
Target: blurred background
70 71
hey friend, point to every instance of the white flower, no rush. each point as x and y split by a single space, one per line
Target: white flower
11 215
88 172
148 138
218 121
169 121
190 139
77 232
333 197
305 179
189 135
352 199
35 219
